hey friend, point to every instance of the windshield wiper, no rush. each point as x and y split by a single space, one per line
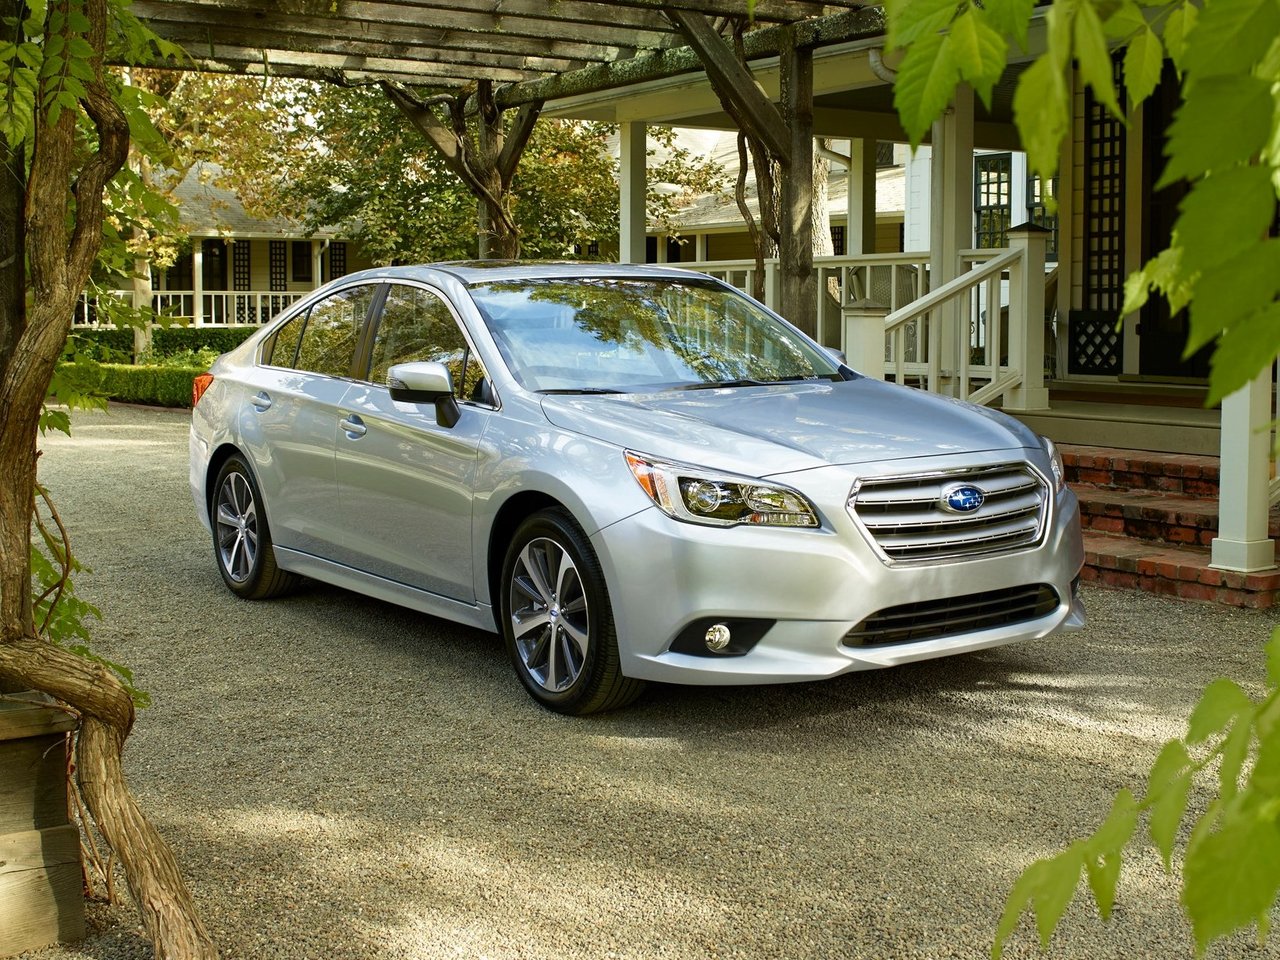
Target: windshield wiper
559 391
717 384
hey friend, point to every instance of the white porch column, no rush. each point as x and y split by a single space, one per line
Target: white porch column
950 229
317 262
1242 542
197 280
633 147
700 247
860 198
1026 319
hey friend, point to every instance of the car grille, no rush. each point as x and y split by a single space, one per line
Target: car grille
907 521
928 619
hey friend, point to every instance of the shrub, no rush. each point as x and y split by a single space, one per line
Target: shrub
202 358
107 344
166 341
151 385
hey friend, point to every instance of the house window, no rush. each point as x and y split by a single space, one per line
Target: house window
301 261
1038 194
992 198
837 241
884 154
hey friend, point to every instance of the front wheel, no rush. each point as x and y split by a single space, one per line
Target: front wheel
241 538
557 620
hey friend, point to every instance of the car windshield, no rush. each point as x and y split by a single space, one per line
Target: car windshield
612 334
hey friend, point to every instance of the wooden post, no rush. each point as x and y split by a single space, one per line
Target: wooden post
799 282
863 339
860 198
951 230
41 882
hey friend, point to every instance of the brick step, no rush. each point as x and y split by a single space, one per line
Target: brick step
1186 474
1175 571
1152 515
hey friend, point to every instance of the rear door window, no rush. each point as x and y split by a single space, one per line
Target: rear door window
332 333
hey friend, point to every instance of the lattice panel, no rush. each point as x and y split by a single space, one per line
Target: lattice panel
1104 145
278 263
242 279
1095 346
337 260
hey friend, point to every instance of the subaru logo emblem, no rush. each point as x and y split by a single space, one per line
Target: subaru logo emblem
962 498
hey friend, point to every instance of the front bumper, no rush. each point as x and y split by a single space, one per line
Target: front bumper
815 586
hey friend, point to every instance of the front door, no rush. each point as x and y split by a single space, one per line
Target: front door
405 482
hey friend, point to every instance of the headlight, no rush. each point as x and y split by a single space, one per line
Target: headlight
1055 458
697 495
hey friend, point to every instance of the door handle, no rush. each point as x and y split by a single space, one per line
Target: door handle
354 426
261 401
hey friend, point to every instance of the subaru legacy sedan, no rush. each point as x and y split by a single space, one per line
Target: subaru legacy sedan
631 473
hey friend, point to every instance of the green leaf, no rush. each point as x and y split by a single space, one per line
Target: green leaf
1041 111
1273 658
1104 850
1220 704
1047 886
1224 215
1094 56
927 79
909 20
1167 788
1235 748
1236 361
1176 28
1223 120
1127 21
980 53
1143 62
1011 18
1231 877
1230 33
1232 291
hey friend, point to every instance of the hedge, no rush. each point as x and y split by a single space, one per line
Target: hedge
155 386
104 343
166 341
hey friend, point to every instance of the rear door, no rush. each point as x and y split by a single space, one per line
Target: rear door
404 481
290 420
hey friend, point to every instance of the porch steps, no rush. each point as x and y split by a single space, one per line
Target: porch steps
1149 519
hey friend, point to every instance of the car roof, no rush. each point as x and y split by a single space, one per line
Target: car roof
475 272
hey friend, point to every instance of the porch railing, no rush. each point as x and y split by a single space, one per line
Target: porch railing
206 307
979 336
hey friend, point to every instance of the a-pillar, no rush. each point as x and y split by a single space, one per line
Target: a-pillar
860 198
1242 542
633 150
950 230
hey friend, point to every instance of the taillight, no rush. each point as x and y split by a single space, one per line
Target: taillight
201 383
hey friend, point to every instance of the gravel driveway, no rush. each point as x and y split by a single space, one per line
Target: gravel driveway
342 778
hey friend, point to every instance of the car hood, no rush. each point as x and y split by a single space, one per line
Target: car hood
782 428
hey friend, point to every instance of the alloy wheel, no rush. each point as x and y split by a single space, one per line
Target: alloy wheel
549 615
237 521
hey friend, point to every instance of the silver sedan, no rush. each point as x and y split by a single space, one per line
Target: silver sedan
632 473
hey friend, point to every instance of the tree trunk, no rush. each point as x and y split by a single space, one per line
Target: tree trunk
63 222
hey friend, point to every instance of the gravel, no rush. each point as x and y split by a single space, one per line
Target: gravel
342 778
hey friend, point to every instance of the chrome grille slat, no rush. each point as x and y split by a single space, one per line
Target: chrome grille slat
904 517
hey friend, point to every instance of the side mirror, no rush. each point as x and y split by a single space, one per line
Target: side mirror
839 355
425 382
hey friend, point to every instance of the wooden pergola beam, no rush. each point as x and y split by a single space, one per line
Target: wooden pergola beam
322 65
759 44
220 40
735 83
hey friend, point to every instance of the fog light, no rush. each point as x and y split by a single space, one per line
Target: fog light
717 637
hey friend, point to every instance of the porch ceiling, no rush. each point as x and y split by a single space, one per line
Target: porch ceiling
453 43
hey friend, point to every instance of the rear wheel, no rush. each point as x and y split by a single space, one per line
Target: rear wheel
241 538
557 620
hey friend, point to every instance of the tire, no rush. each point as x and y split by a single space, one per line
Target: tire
557 621
241 539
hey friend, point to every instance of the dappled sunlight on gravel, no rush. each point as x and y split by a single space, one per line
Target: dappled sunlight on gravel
346 780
